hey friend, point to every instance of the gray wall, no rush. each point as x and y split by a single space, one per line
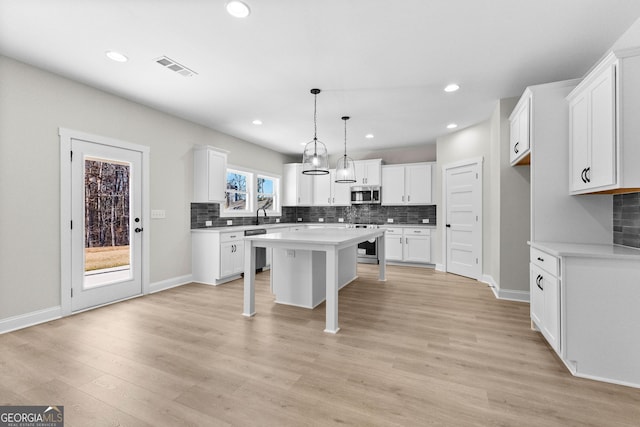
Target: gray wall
33 105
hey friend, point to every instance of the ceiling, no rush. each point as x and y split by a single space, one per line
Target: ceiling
384 63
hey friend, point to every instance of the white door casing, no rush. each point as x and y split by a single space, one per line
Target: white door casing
73 280
462 208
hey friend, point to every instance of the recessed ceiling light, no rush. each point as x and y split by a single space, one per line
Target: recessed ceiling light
451 88
116 56
452 126
257 122
369 136
238 9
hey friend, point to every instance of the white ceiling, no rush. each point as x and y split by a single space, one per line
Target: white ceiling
384 63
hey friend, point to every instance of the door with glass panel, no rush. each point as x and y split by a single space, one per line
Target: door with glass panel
106 224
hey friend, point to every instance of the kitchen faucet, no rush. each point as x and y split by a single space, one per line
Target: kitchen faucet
257 212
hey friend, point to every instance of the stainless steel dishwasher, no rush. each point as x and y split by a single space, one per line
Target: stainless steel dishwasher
261 253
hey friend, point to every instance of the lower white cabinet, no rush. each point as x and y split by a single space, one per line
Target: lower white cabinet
217 257
407 244
545 296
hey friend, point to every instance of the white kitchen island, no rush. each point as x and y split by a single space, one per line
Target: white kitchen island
331 242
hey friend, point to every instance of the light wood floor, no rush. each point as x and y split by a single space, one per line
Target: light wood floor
424 348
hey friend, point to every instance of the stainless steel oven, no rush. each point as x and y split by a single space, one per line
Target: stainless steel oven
368 250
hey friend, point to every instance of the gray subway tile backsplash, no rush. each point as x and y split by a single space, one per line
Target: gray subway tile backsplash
356 214
626 219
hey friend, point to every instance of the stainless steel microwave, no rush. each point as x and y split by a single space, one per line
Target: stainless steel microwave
365 194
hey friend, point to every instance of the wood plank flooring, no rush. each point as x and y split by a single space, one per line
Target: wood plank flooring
424 348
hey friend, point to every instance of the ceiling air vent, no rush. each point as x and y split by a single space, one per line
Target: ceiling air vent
176 67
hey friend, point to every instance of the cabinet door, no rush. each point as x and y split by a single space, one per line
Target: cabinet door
290 185
551 315
393 185
603 147
393 247
341 191
305 188
417 184
524 129
578 142
322 189
514 138
227 253
238 257
374 174
536 291
417 249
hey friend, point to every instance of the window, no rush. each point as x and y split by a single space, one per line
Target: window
236 199
247 191
266 193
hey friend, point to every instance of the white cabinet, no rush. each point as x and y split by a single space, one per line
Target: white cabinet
393 243
407 184
327 192
368 172
603 127
297 187
408 244
216 257
209 174
545 296
520 131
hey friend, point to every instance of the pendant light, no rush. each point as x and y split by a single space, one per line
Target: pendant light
345 168
315 159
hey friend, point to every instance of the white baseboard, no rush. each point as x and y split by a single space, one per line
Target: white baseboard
170 283
29 319
441 267
505 294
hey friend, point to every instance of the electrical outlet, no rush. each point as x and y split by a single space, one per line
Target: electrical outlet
390 220
208 223
299 219
320 219
229 222
425 221
340 219
277 220
291 253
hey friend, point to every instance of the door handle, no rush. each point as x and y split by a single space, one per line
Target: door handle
448 225
137 229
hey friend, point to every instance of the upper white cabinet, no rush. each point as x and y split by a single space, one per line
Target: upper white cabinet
209 174
407 184
298 187
327 192
520 131
368 172
604 128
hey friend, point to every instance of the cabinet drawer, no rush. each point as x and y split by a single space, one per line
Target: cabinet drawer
397 231
417 232
548 263
230 237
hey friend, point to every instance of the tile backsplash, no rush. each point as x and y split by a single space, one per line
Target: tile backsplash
626 219
360 214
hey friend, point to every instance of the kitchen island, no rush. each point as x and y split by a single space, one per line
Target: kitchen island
329 242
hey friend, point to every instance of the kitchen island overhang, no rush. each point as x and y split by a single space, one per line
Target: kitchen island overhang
329 241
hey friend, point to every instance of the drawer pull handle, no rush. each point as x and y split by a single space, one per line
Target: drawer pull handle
540 259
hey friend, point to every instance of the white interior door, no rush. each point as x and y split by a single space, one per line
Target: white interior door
107 226
463 223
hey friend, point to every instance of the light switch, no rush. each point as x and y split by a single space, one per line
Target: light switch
229 222
208 223
425 221
390 220
158 214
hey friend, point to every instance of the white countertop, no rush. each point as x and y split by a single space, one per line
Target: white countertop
318 236
587 250
340 225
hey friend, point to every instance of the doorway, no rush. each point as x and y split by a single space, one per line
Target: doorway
103 199
462 207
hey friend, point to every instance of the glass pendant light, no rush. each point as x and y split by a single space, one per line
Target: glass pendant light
345 168
315 159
